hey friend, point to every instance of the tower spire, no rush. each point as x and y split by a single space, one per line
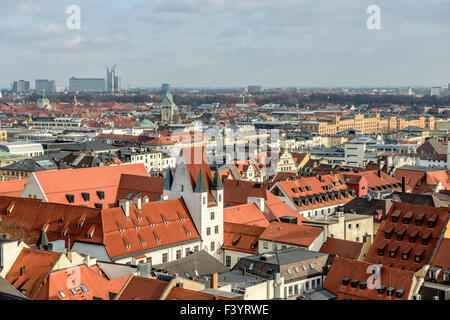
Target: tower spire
200 185
217 182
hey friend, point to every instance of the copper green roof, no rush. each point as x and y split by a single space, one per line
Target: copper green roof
217 182
7 155
200 187
169 97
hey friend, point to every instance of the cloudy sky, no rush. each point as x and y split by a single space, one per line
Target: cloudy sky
228 43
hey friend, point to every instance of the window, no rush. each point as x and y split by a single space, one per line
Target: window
212 215
274 246
357 225
297 270
216 229
349 225
357 239
208 231
204 200
196 249
212 246
62 294
73 291
265 245
289 271
228 261
251 266
164 257
304 267
178 254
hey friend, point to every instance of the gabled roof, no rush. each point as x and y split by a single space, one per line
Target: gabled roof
12 188
152 187
30 269
57 184
94 283
139 288
289 233
343 268
248 214
342 248
241 237
158 224
394 236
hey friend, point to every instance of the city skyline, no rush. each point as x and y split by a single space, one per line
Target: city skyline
215 43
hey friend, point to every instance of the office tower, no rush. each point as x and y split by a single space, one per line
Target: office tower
255 89
21 86
87 84
48 85
436 91
112 79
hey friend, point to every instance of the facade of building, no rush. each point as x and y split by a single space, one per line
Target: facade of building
48 85
87 84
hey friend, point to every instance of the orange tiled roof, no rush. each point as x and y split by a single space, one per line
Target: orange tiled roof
139 288
151 187
78 278
441 259
12 188
245 214
342 248
158 224
241 237
30 269
57 184
289 233
397 244
343 268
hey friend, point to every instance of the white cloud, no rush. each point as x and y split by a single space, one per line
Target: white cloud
29 7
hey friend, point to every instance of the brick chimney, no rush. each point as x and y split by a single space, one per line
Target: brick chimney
145 199
403 184
125 205
379 173
139 203
387 204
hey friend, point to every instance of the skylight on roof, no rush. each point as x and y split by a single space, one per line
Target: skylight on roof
62 294
83 288
73 291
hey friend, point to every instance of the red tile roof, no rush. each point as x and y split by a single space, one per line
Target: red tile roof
30 269
357 270
12 188
27 217
423 181
241 237
97 285
139 288
293 234
245 214
57 184
405 240
441 259
146 229
151 187
342 248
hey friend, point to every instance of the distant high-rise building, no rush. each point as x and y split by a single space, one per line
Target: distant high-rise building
436 91
112 79
21 86
255 89
87 84
48 85
165 87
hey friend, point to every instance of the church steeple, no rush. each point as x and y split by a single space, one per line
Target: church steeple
200 186
217 182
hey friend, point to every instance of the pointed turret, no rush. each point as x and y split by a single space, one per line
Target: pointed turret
168 181
217 182
200 186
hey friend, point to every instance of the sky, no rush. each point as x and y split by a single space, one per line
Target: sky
228 43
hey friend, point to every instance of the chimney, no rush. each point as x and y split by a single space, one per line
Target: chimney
379 173
139 203
125 205
214 284
403 184
165 197
146 199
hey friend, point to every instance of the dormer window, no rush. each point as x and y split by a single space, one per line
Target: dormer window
395 216
98 205
126 244
354 283
345 281
426 239
407 217
143 243
101 195
433 274
119 228
390 291
363 285
413 236
80 224
432 221
400 235
419 219
418 257
399 293
381 289
85 196
405 254
70 198
381 250
149 222
164 220
156 237
388 233
393 252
